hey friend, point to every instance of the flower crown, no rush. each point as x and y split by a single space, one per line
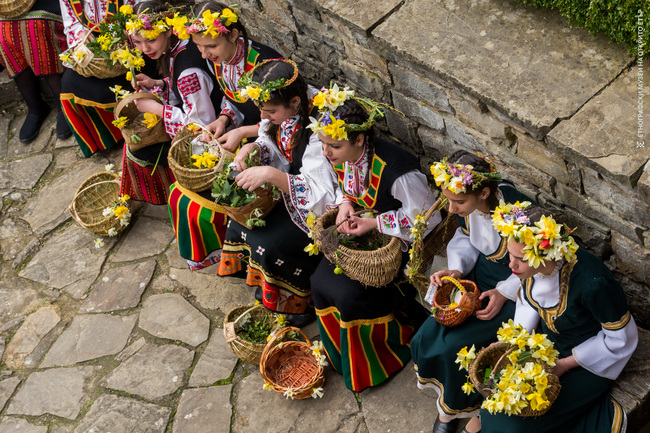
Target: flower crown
147 25
329 100
544 240
213 24
457 177
264 92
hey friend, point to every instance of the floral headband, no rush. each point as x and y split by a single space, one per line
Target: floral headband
457 177
149 26
544 240
213 24
264 92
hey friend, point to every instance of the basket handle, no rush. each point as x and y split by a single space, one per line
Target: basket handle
468 298
90 30
130 98
357 213
437 206
254 307
73 207
277 335
499 361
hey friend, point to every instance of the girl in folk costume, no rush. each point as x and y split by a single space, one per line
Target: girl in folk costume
188 92
366 330
231 54
199 224
274 256
88 102
571 295
29 48
477 253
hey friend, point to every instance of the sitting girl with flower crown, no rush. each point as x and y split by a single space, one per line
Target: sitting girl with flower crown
477 253
187 90
571 295
273 256
366 330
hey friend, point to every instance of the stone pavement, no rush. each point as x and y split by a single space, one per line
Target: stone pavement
125 338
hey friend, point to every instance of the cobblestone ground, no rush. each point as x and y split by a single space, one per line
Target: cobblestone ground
125 338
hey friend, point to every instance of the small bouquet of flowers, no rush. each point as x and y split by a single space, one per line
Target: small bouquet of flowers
515 375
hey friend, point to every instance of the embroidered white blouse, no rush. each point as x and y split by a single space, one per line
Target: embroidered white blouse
604 354
411 189
231 72
194 86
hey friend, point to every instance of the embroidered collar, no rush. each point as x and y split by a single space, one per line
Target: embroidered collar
238 57
553 274
286 134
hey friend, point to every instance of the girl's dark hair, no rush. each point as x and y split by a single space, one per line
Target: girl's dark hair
213 7
154 7
275 70
463 157
353 113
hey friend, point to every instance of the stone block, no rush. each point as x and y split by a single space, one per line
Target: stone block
536 153
461 134
517 55
632 259
279 12
363 81
418 111
404 130
637 294
603 134
366 58
436 145
593 235
644 183
476 115
625 202
307 17
364 14
416 85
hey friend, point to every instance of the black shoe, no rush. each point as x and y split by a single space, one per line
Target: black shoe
301 320
63 130
32 125
259 294
445 427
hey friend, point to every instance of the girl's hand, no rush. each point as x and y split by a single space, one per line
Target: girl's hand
254 177
563 365
142 80
149 106
436 278
218 127
358 225
242 154
231 139
345 210
494 305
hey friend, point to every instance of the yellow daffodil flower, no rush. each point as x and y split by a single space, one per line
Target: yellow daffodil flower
151 120
126 10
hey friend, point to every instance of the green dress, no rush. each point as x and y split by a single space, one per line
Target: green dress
434 346
591 309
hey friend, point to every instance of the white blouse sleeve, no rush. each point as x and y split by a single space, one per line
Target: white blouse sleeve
194 86
525 314
509 287
461 254
606 353
412 190
315 188
230 110
270 153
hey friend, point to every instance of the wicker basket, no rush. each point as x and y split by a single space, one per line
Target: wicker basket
96 66
372 268
93 196
263 204
180 162
469 301
495 357
14 8
155 135
246 350
291 364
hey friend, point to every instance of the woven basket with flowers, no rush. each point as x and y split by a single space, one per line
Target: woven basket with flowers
455 301
246 330
293 368
515 375
374 260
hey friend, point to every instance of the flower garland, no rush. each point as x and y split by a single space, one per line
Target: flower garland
264 92
524 381
148 25
544 240
329 100
457 177
213 24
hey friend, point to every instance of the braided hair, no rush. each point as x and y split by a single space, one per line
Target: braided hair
274 70
479 164
353 113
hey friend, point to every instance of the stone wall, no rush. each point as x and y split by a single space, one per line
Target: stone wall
552 106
